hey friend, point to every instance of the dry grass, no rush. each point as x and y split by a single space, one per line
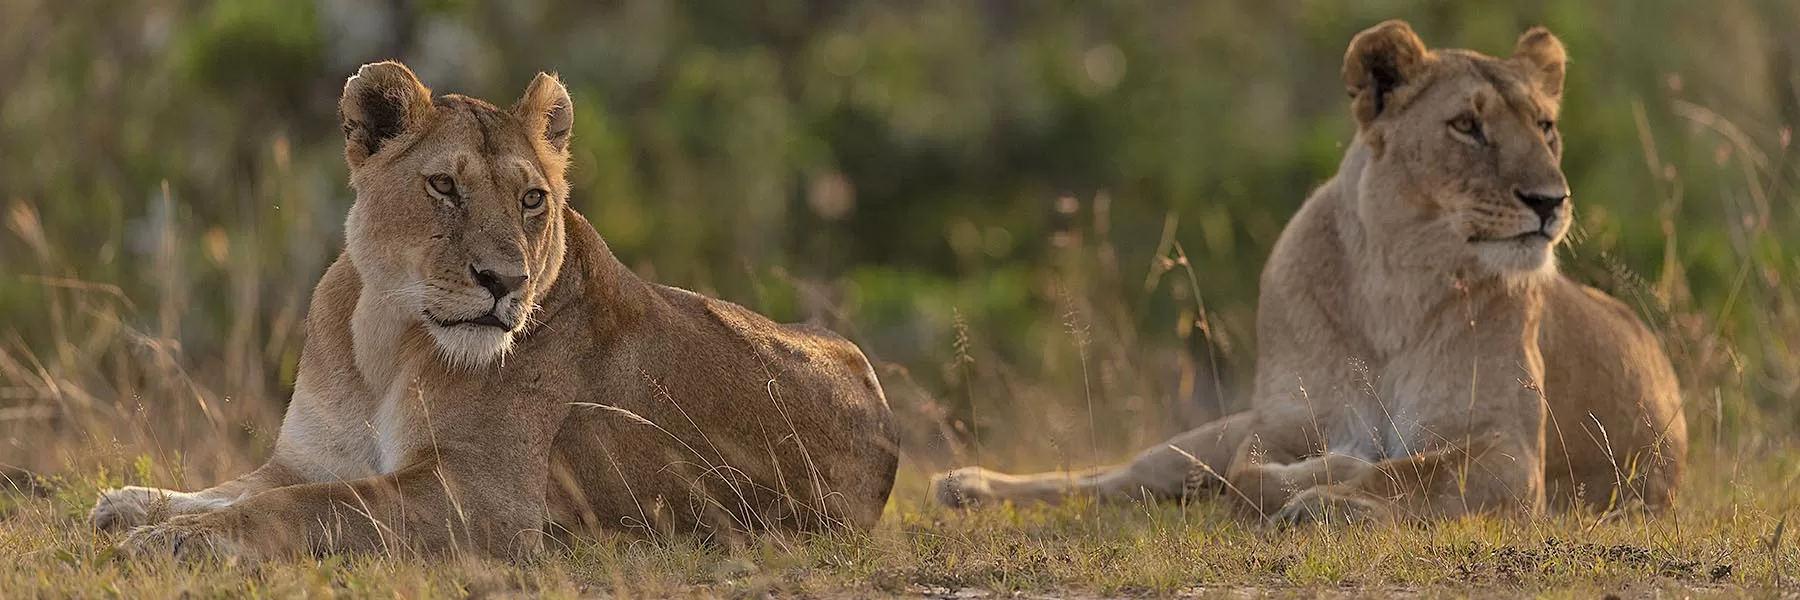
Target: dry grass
1721 541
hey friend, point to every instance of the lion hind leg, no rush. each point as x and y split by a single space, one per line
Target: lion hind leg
974 486
1190 464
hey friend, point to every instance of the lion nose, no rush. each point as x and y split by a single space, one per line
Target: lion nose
495 283
1543 202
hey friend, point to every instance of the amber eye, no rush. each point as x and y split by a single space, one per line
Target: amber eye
533 199
1549 127
442 184
1466 126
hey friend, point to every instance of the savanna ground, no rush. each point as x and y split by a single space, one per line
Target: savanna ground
1042 220
1727 539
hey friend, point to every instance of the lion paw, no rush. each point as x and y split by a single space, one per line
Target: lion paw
962 488
129 507
186 538
1320 506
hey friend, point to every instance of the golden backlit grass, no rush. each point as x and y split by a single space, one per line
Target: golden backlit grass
1725 538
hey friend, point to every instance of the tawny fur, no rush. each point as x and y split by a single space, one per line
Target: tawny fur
1415 359
593 400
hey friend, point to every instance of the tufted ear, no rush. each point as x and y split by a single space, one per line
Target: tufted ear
1381 59
546 108
381 101
1542 56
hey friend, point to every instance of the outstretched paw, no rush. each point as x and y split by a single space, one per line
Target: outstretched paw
129 507
963 488
1318 505
186 538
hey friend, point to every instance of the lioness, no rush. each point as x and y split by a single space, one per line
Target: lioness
477 363
1419 355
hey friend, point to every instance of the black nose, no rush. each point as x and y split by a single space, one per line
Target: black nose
1544 204
495 283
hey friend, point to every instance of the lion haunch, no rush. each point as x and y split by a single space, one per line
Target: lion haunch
1419 355
479 369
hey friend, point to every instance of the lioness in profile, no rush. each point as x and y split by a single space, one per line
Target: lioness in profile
478 364
1418 353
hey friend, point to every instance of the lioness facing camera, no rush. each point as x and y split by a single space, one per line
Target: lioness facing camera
1418 353
477 364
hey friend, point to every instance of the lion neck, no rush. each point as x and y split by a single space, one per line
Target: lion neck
389 342
590 283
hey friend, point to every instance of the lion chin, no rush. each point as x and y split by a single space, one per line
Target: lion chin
467 347
1529 256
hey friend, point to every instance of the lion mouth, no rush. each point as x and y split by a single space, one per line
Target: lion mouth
487 320
1529 236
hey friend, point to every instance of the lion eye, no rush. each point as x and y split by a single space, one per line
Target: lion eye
533 199
1549 127
442 184
1466 126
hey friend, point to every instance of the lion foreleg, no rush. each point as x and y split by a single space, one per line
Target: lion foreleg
133 506
1483 475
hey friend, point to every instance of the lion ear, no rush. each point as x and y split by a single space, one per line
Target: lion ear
381 101
546 108
1381 59
1543 57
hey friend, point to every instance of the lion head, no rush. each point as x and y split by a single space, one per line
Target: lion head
1462 158
457 220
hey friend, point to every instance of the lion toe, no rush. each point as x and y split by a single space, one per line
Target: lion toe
184 538
1325 507
128 507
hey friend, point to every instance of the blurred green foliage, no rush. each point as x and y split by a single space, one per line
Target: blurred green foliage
912 155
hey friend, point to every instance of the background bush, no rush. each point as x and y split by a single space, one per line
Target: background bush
1043 214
